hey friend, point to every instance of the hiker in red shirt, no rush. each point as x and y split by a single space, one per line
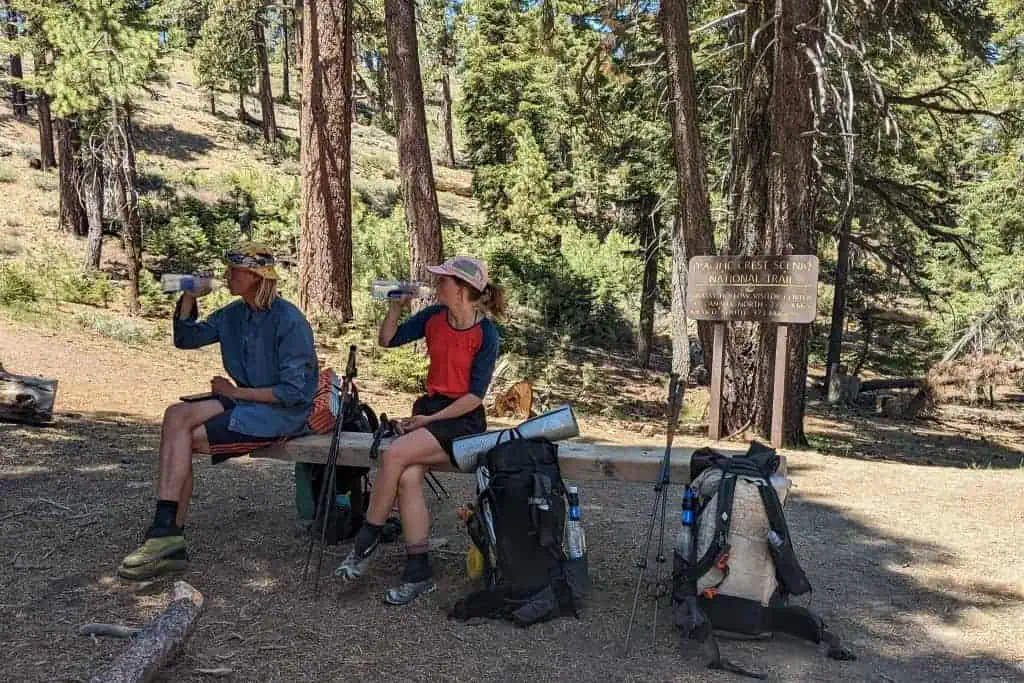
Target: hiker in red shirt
462 343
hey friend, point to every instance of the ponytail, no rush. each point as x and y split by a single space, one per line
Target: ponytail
492 300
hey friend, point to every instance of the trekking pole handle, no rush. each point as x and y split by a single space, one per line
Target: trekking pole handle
350 366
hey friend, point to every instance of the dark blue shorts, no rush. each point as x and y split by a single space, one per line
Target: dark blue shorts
225 443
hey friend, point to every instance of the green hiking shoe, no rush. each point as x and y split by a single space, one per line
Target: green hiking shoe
154 549
175 562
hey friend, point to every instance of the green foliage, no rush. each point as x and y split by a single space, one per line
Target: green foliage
224 53
274 202
129 331
92 288
18 284
153 303
8 175
402 369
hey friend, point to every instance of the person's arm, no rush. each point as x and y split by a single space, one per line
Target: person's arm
296 360
190 333
392 334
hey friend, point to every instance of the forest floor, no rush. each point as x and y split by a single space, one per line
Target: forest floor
912 532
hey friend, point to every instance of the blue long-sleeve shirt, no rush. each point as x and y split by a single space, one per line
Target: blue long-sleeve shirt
259 349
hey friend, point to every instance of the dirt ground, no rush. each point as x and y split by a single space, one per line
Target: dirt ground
910 532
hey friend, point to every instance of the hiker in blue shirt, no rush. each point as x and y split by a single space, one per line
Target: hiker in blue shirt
267 349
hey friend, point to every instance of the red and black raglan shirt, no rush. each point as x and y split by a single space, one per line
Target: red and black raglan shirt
461 361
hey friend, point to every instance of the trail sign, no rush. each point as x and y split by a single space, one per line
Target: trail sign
766 289
776 289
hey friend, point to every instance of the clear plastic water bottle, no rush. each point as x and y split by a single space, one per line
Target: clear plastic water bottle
193 284
382 290
575 538
687 516
343 501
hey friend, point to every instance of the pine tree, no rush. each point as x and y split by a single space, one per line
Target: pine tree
224 53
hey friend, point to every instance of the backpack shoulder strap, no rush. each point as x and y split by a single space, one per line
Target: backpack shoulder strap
787 568
723 522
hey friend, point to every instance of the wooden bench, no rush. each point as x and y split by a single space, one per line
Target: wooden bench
579 460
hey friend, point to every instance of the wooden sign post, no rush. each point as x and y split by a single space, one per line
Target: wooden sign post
766 289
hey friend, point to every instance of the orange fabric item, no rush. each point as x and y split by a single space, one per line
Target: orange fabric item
321 419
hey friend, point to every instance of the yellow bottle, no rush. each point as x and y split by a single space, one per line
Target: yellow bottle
474 562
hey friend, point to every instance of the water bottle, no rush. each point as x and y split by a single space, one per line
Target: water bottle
382 290
343 501
688 515
193 284
575 538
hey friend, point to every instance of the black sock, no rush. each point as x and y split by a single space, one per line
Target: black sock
417 566
367 538
164 522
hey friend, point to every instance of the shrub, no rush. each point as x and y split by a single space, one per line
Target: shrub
402 369
125 330
18 284
90 287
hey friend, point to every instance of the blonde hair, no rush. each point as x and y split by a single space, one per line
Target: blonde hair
266 294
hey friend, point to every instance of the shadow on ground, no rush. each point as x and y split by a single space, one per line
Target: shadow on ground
168 141
77 496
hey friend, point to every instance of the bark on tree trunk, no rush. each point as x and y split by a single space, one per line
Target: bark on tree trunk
17 93
299 37
835 334
213 102
92 187
446 115
243 115
694 212
747 377
47 158
792 179
72 211
127 199
325 247
383 91
680 269
267 120
286 93
648 229
421 213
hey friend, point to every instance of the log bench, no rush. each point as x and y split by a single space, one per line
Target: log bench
578 459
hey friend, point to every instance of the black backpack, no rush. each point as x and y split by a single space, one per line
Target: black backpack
703 602
342 523
523 501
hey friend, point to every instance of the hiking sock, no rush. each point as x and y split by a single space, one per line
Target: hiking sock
367 538
417 563
164 521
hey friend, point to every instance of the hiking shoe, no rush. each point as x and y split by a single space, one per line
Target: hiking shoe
154 549
356 564
409 591
175 562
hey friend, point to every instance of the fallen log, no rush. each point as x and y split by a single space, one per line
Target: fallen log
26 399
159 642
578 460
870 385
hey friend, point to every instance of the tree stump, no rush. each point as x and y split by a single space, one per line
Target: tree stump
26 399
159 642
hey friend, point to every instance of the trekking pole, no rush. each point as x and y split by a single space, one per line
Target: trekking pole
329 484
675 394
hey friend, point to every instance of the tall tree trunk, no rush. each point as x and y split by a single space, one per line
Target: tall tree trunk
747 380
383 83
446 117
792 180
213 102
243 115
835 333
677 315
648 229
325 246
286 93
92 188
299 37
127 199
18 102
46 153
267 120
694 212
72 211
414 163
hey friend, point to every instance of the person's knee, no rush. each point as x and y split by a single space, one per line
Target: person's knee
176 415
411 479
200 442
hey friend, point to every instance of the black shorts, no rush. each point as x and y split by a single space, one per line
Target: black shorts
445 431
226 443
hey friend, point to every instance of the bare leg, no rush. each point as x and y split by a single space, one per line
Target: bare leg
176 450
413 504
200 444
415 448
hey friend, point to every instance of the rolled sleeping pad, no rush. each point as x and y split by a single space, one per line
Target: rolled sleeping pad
554 425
